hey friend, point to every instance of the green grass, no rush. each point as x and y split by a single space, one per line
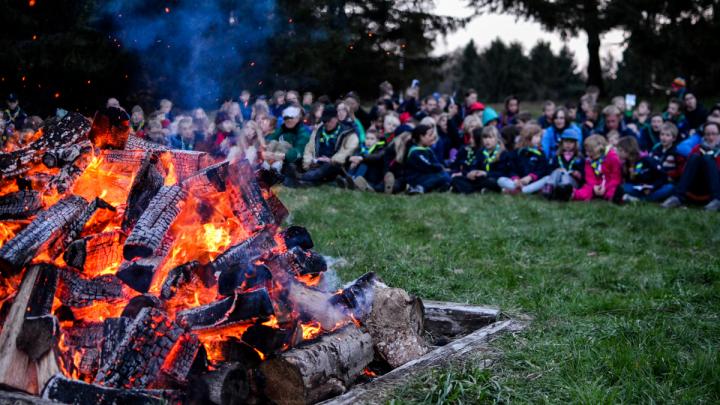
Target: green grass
625 300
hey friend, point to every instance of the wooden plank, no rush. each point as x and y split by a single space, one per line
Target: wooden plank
451 319
376 391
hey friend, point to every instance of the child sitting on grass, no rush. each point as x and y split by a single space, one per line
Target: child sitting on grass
492 163
566 169
366 167
643 177
424 172
530 162
466 155
701 177
603 173
666 152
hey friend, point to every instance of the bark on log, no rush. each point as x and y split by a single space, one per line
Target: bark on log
72 230
240 255
17 370
314 304
146 184
240 307
137 362
154 223
110 128
136 143
449 319
77 291
396 325
319 370
243 187
228 385
40 329
113 333
96 253
48 225
138 274
67 391
20 204
183 275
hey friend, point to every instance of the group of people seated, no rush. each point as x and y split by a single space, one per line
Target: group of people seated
576 151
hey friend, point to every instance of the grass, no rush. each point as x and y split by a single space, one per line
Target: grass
624 299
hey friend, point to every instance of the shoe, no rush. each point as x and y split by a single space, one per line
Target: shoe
415 190
341 182
627 198
672 202
713 205
562 193
361 184
389 181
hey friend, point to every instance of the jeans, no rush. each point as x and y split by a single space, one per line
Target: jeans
657 194
432 181
700 178
462 184
323 173
556 179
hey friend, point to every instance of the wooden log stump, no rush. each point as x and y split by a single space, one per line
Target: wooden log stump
148 181
320 369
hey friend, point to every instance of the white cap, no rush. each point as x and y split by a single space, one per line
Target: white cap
291 112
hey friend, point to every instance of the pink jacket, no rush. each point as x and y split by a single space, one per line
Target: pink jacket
610 172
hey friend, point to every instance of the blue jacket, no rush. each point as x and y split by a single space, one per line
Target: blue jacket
497 164
421 160
530 162
551 140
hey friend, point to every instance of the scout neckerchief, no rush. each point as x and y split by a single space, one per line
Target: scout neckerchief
378 144
534 150
597 164
417 148
491 158
636 170
715 152
470 156
325 137
562 163
11 115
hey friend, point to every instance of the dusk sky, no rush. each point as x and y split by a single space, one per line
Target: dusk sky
485 28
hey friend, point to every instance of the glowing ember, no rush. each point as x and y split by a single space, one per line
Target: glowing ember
311 330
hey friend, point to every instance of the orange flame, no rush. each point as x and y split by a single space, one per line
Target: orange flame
311 330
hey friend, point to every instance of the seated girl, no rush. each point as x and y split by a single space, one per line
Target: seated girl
492 163
566 169
423 171
530 162
603 173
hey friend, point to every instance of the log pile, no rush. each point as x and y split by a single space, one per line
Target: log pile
142 274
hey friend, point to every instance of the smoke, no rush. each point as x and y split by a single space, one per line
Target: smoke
197 53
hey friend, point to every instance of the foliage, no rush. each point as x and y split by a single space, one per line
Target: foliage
624 299
503 69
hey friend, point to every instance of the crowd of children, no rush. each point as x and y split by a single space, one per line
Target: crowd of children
578 151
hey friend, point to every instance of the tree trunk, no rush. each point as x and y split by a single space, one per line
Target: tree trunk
594 70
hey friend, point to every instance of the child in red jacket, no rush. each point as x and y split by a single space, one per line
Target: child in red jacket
603 171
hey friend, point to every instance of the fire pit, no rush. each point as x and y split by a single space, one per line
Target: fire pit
129 272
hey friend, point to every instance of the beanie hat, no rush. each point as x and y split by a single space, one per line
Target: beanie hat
488 115
329 112
678 82
571 133
405 117
476 106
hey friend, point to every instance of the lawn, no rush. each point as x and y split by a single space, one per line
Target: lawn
624 300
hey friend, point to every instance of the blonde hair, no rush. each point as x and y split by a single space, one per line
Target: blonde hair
669 127
471 120
527 133
491 131
596 144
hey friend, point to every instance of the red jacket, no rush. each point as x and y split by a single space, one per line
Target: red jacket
610 173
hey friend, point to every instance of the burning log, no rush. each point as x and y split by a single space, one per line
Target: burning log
181 358
137 362
357 297
78 291
47 226
20 204
183 275
297 236
269 339
96 253
239 307
74 228
110 128
137 303
136 143
146 185
245 188
113 333
154 223
315 304
40 329
67 391
228 385
63 156
247 276
138 274
241 254
71 129
319 370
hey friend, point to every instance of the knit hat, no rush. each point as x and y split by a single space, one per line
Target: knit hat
12 97
571 133
679 82
476 106
489 114
329 112
291 112
405 117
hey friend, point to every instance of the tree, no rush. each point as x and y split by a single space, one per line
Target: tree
595 17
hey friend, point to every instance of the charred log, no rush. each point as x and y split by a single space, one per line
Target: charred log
67 391
269 339
181 358
138 274
183 275
243 276
110 128
48 225
241 254
357 298
43 291
95 253
78 291
113 332
319 370
297 236
136 143
146 184
84 334
20 204
38 335
137 303
228 385
137 362
154 223
65 155
240 307
73 229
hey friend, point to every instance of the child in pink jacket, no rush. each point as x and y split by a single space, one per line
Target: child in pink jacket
603 171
